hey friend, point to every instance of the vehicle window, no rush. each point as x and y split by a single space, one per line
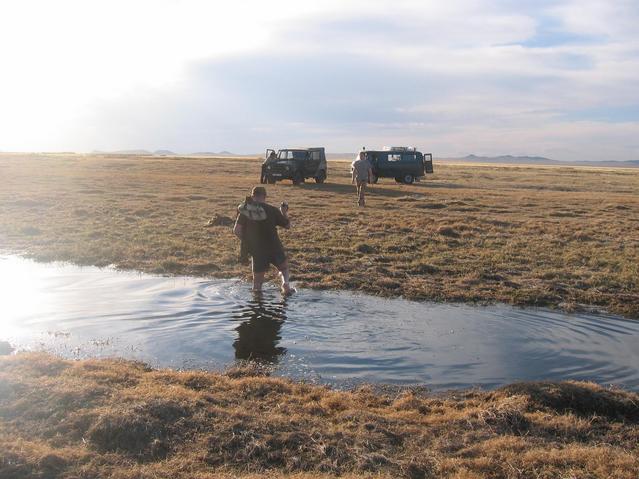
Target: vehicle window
408 157
291 155
315 155
394 157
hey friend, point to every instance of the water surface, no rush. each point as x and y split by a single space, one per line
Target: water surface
333 337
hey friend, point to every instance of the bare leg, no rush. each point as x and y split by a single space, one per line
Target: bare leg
284 275
362 200
258 281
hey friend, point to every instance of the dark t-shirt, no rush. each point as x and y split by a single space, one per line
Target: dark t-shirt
261 236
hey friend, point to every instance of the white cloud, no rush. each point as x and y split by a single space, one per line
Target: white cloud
194 75
617 19
58 58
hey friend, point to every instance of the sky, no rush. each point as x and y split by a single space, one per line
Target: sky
548 78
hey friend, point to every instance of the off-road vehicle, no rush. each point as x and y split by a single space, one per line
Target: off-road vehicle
405 164
295 164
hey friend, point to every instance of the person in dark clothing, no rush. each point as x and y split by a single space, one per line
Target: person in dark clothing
256 226
272 158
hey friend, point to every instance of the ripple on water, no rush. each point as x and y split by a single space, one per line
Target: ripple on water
334 337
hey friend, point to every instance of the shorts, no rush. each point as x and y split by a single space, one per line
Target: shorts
261 262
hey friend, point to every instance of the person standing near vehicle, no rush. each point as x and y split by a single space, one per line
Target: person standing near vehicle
362 174
271 158
256 226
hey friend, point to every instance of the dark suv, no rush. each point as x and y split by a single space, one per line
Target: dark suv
295 164
402 163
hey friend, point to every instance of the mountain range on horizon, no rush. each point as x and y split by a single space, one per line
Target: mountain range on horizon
511 159
471 158
540 160
164 153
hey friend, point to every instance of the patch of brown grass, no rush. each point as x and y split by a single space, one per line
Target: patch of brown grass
111 418
525 235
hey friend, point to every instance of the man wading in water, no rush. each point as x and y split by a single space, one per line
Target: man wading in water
256 226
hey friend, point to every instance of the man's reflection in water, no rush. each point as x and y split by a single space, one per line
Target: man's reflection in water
259 331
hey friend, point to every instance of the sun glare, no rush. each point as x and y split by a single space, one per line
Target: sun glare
22 294
61 60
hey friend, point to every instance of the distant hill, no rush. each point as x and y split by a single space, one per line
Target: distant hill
213 153
540 160
502 159
510 159
135 152
127 152
165 153
624 164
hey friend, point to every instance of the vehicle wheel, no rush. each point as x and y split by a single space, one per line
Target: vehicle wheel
270 180
298 179
408 179
375 179
321 176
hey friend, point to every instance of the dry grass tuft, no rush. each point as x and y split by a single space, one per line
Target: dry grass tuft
141 430
579 398
448 231
113 418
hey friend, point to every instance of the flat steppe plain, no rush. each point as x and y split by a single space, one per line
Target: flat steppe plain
561 237
546 236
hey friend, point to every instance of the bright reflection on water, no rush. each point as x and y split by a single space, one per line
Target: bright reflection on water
319 336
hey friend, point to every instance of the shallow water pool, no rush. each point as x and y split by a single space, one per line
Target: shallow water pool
330 337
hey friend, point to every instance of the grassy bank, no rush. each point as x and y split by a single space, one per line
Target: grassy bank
108 418
523 235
